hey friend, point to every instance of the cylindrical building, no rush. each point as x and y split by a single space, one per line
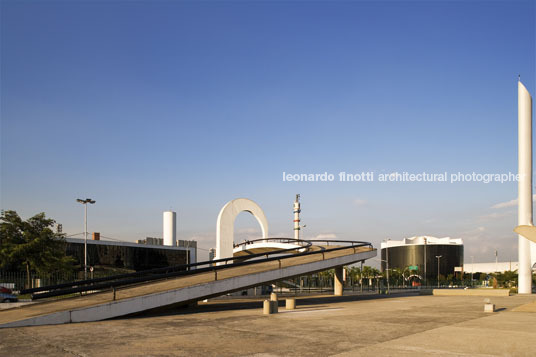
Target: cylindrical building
419 255
170 228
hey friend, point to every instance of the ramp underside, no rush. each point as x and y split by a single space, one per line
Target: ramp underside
195 287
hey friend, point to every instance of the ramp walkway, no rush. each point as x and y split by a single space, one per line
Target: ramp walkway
183 286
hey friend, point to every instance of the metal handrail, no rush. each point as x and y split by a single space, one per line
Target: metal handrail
169 269
283 240
168 272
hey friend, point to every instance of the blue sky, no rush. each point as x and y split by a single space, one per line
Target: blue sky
146 106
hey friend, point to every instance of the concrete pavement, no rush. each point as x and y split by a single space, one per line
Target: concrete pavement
320 326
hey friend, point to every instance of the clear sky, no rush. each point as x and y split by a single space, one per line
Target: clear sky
146 106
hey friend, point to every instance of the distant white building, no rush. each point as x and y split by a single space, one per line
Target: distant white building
491 267
421 240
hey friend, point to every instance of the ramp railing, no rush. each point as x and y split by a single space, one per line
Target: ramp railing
151 275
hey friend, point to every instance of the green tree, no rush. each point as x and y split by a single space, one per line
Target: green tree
506 279
395 276
354 273
32 245
450 278
326 276
369 273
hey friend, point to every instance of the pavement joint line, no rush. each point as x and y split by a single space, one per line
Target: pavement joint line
311 310
438 328
441 352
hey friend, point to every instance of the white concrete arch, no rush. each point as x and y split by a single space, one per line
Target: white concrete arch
225 224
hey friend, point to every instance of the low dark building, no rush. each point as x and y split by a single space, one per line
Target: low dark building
420 254
129 255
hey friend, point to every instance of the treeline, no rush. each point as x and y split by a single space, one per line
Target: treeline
404 277
32 246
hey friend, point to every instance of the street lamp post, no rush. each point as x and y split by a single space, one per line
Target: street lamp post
361 278
425 279
472 268
85 202
438 257
387 261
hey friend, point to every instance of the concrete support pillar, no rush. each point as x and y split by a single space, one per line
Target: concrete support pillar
275 306
267 307
338 281
274 302
290 304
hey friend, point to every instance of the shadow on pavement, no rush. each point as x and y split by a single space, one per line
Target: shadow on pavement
256 303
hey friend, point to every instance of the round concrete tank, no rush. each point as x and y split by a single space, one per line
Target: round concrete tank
170 228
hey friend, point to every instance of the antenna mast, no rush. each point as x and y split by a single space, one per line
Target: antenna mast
297 211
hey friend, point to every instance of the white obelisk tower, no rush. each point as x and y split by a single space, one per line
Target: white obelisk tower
297 211
524 215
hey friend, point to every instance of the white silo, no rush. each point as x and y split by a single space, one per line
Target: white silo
170 228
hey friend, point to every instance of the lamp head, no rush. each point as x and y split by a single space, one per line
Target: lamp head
87 200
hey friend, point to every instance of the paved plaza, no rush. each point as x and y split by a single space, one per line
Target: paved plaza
401 325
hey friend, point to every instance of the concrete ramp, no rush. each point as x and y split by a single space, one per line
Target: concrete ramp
147 296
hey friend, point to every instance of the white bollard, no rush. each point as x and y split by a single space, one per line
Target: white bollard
489 307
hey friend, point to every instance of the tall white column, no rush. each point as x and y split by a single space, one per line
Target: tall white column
524 215
170 228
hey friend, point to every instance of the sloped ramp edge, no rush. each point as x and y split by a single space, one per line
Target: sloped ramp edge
191 293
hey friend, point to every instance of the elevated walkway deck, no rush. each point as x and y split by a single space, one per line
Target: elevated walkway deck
197 286
267 245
